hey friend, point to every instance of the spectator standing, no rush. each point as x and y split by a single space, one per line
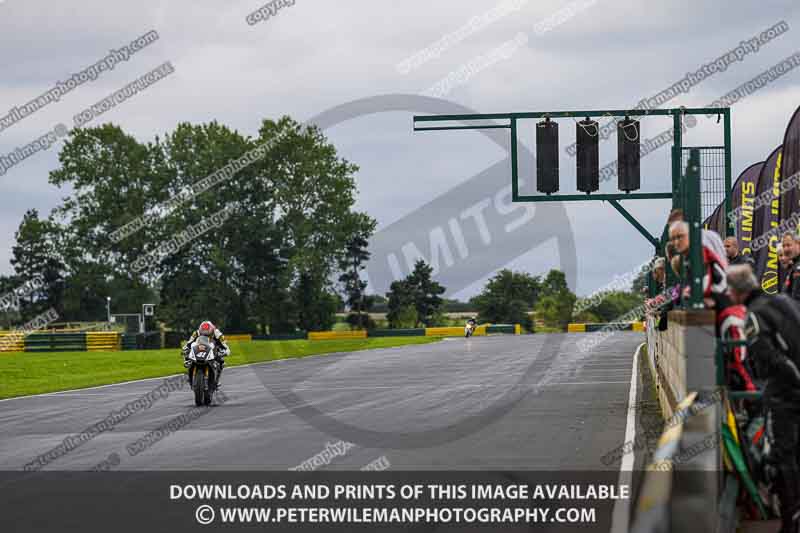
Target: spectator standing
731 245
772 330
711 239
730 316
791 285
714 266
785 260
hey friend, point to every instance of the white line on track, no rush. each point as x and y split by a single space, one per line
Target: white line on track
621 516
588 383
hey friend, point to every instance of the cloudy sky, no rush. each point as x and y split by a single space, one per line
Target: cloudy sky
439 194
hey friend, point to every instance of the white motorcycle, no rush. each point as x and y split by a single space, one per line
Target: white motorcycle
469 329
204 369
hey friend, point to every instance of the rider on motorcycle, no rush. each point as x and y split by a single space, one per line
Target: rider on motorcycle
221 349
469 329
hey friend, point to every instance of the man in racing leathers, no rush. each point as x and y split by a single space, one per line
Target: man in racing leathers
772 330
221 349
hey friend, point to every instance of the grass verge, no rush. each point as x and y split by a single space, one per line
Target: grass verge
24 373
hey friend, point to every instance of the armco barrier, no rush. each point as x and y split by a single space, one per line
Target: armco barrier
330 335
174 339
103 341
109 341
577 327
407 332
609 326
141 341
503 328
12 342
297 335
55 342
128 341
452 331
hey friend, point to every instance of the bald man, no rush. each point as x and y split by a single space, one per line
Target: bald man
731 245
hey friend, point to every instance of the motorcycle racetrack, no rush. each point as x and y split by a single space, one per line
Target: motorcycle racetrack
486 403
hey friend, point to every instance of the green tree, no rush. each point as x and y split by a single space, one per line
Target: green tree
507 298
217 270
556 301
9 315
418 290
426 293
405 317
457 306
37 265
268 267
351 264
380 304
400 299
639 285
112 178
554 284
316 306
612 305
314 194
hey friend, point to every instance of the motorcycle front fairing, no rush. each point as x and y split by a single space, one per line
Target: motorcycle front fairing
202 355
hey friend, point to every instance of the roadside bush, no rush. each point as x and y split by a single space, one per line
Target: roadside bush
405 317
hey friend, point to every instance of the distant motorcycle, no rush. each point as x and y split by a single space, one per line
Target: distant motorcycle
203 370
469 329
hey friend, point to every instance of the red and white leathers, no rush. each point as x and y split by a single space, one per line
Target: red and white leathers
730 322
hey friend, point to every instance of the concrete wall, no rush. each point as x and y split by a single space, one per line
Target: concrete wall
684 496
682 357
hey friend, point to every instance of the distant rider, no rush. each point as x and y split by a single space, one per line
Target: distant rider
207 329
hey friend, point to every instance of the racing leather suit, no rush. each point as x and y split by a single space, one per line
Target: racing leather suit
221 349
792 281
773 340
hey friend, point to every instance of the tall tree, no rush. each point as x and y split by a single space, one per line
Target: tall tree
507 298
613 305
556 300
316 305
419 290
292 215
314 194
9 314
639 285
38 266
351 265
401 311
112 178
427 292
